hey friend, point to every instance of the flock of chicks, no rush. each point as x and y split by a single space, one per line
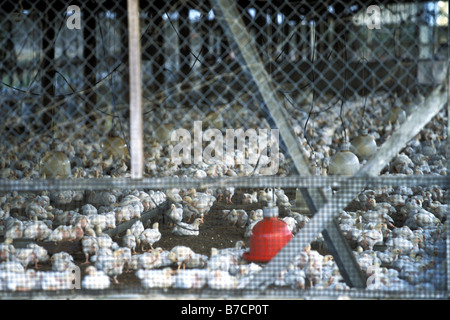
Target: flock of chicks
247 220
409 223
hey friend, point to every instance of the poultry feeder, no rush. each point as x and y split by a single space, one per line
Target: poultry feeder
268 236
114 146
397 114
344 163
164 132
55 165
364 145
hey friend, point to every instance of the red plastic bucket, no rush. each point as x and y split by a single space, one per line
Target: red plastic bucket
268 237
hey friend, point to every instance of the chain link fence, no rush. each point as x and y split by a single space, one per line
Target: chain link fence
242 149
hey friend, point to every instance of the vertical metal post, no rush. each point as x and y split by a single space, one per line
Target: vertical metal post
448 168
136 124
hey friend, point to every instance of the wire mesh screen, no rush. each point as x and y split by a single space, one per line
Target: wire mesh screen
289 149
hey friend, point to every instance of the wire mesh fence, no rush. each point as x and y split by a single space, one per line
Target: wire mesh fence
289 148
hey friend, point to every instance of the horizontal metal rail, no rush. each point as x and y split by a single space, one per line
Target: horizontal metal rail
219 182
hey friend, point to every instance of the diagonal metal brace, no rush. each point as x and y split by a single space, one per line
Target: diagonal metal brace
339 249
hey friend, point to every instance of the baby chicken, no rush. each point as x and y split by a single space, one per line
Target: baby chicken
150 236
90 247
186 229
175 214
181 255
95 279
129 241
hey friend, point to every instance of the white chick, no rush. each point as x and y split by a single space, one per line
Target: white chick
242 218
122 213
124 255
129 241
7 250
104 241
250 198
26 281
148 203
220 261
188 229
40 252
175 214
81 219
222 280
181 255
265 196
291 223
12 266
137 228
203 202
26 256
76 232
156 278
61 233
150 260
95 279
57 280
62 261
110 220
282 199
101 198
370 237
36 230
98 221
89 247
190 279
34 209
236 217
88 209
174 195
189 211
257 214
231 216
134 204
150 236
228 194
111 264
197 261
14 230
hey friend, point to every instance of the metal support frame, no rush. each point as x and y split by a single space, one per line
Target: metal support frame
348 190
324 220
237 32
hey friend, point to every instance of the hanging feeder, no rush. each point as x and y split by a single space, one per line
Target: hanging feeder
114 146
268 236
55 164
364 145
397 114
344 163
163 132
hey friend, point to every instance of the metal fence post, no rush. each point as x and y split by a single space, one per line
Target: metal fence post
136 123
